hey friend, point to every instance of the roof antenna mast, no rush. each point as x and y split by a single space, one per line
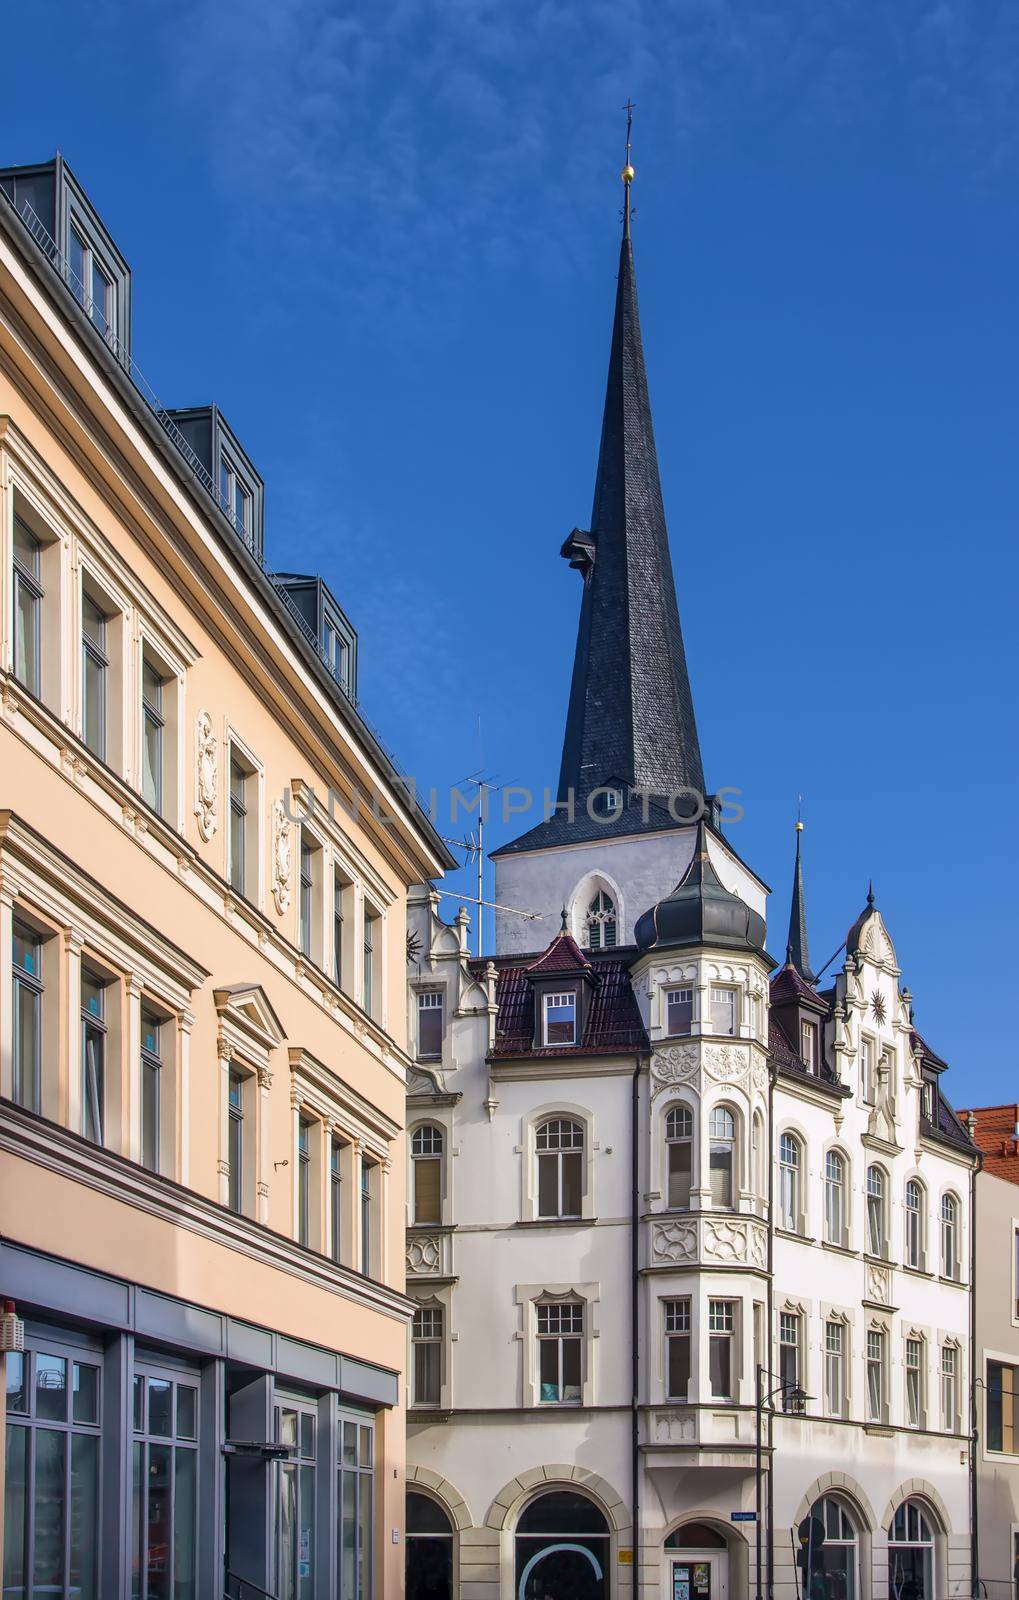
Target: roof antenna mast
627 172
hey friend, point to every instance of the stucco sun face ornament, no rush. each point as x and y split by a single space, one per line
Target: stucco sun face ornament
877 1006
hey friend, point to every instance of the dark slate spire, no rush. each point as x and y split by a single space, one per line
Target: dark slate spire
631 717
797 953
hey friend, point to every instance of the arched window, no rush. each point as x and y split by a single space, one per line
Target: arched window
426 1147
832 1562
559 1144
910 1554
789 1182
877 1231
722 1155
835 1197
695 1536
562 1548
429 1549
600 922
914 1223
949 1236
679 1156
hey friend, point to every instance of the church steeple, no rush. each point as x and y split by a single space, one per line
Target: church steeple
796 952
631 717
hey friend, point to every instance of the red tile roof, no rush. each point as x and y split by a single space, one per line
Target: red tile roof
613 1025
563 955
994 1135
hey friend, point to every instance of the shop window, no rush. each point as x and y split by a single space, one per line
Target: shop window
356 1477
164 1483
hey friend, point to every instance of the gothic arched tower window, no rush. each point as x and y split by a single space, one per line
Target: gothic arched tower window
600 922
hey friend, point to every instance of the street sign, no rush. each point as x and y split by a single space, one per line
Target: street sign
743 1516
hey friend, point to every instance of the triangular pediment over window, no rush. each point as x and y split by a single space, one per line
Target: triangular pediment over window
247 1019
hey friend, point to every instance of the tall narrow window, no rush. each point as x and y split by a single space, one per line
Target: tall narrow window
303 1181
94 672
28 598
151 1086
808 1045
721 1330
336 1200
867 1070
789 1183
93 1055
877 1383
678 1012
914 1224
560 1351
835 1368
949 1388
877 1232
430 1025
27 1017
239 776
307 888
677 1349
601 922
914 1382
235 1150
927 1100
355 1500
679 1152
368 975
560 1013
235 498
789 1335
368 1171
340 887
165 1474
91 285
426 1160
950 1236
723 1010
295 1502
426 1337
1002 1407
559 1145
834 1197
721 1155
153 727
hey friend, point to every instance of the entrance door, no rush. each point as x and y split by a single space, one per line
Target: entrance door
699 1575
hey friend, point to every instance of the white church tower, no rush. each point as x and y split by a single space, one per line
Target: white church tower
688 1238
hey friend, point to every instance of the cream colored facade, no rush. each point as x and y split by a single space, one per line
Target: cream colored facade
248 1248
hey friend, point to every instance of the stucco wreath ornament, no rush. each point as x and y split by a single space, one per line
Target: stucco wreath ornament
281 857
207 776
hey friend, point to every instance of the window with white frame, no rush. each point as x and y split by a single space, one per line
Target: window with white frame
721 1351
95 671
877 1212
915 1362
915 1208
304 1129
789 1162
867 1070
243 825
722 1155
155 1033
430 1025
94 1032
343 942
336 1149
600 922
949 1387
927 1100
560 1337
835 1367
28 607
154 732
426 1152
309 897
235 498
427 1340
834 1197
369 1208
677 1349
877 1374
724 1010
91 284
679 1157
27 1019
678 1011
949 1236
808 1045
790 1340
369 984
559 1153
559 1012
239 1140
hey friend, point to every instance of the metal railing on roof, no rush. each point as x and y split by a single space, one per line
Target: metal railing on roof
34 225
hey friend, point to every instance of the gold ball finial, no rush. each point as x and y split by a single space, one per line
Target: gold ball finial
799 826
627 173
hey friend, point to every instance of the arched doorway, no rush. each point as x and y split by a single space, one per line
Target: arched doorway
911 1554
697 1563
429 1558
562 1549
834 1565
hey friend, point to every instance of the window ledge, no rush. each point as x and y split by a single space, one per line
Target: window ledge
880 1430
795 1235
555 1222
839 1249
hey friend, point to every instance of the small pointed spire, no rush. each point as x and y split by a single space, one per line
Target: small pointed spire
870 892
627 172
563 929
797 953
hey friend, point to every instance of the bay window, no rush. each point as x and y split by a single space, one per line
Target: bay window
426 1340
721 1155
721 1336
678 1012
723 1010
677 1349
426 1148
679 1156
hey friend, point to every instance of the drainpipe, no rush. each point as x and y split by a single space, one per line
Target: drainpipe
635 1323
766 1352
974 1507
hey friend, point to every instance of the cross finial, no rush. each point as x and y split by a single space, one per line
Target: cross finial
627 172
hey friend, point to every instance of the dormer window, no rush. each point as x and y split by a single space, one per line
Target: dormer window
560 1018
927 1101
678 1011
235 498
608 801
808 1045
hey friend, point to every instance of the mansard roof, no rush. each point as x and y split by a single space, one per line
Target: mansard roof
995 1136
613 1025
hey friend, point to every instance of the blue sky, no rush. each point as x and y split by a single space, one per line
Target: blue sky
384 237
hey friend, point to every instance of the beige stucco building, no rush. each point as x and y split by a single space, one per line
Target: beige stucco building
204 856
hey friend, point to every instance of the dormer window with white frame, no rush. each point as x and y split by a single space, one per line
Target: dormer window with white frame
91 284
235 497
808 1045
559 1018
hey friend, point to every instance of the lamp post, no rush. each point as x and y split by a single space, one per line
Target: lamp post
796 1399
